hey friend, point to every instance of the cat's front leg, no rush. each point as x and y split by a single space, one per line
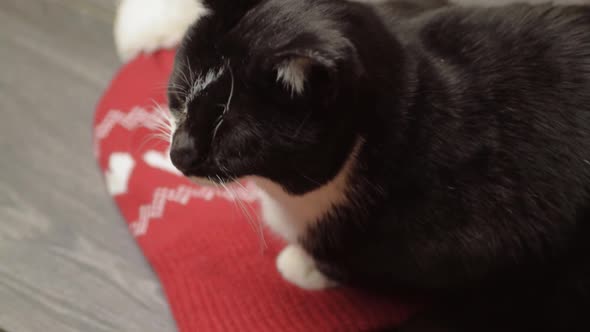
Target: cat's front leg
290 217
299 268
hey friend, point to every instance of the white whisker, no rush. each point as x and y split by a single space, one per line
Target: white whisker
231 92
219 122
164 123
248 210
245 212
180 91
184 78
151 137
190 71
254 221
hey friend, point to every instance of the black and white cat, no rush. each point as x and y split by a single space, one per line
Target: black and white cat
405 145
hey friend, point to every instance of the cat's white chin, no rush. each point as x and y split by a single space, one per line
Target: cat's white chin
290 216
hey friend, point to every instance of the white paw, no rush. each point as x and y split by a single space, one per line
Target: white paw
297 267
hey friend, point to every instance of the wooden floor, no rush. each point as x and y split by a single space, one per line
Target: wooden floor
67 261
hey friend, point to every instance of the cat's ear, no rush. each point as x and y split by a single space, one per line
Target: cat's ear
304 71
294 71
301 42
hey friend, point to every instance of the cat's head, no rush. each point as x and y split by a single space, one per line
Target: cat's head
266 88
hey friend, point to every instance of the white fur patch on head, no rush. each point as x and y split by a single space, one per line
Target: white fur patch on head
149 25
299 268
202 82
290 216
293 74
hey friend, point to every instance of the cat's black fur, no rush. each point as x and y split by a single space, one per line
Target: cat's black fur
473 179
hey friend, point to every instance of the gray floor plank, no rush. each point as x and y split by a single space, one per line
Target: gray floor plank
67 261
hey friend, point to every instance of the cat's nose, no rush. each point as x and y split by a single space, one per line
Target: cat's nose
183 153
183 159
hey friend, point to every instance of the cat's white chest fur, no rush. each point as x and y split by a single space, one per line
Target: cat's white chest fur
290 216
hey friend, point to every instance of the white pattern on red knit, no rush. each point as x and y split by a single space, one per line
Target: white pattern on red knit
136 118
182 195
160 160
117 176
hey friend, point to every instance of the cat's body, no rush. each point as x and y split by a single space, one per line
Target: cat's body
445 151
